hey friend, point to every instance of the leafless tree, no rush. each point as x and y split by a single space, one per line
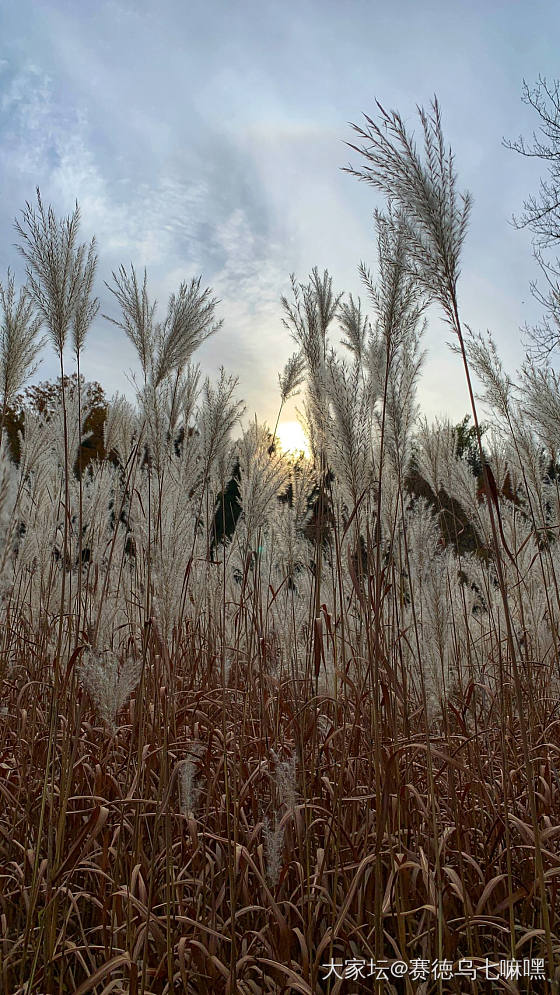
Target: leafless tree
541 211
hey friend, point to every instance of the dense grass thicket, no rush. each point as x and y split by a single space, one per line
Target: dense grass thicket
259 714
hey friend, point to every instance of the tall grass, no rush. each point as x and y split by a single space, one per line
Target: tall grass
331 735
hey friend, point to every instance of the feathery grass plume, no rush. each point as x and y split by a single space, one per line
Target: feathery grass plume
189 322
273 836
60 280
218 414
286 524
20 344
39 510
154 402
100 489
59 274
307 319
436 460
183 398
189 392
87 307
392 358
356 327
188 776
174 522
504 397
423 192
348 441
431 577
187 789
85 311
499 390
314 307
32 444
307 420
398 300
163 347
435 450
121 428
284 778
292 376
263 475
497 451
137 315
289 546
427 211
108 682
401 408
327 302
303 481
526 456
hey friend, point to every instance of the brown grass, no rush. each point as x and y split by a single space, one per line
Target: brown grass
106 886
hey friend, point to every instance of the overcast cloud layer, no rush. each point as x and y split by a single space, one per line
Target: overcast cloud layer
208 138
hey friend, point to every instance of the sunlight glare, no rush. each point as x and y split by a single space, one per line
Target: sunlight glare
292 438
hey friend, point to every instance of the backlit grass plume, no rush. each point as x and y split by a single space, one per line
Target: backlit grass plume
163 347
20 344
423 191
59 272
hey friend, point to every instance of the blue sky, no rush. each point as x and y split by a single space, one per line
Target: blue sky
208 138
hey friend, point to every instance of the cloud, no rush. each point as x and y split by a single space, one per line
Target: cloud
177 223
194 151
46 144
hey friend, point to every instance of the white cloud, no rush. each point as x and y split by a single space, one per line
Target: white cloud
196 151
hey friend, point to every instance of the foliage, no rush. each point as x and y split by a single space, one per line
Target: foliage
467 444
44 398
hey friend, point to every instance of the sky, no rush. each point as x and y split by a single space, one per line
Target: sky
208 139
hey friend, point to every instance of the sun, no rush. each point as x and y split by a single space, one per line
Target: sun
292 438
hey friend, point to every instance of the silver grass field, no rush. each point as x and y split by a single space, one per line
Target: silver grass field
264 712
